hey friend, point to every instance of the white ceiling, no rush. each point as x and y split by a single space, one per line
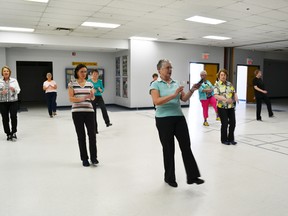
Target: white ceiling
258 25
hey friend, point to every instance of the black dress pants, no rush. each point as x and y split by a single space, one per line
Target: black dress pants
227 117
168 127
82 119
9 108
259 106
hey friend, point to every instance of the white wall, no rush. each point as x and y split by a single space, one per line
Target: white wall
273 78
240 57
2 56
145 56
62 60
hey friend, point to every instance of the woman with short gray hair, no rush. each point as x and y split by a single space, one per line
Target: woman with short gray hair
170 122
206 97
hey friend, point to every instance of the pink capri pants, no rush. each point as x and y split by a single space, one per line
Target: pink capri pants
205 105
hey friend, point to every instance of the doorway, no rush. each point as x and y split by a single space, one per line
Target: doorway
31 76
245 89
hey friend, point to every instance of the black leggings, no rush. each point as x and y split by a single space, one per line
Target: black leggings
100 102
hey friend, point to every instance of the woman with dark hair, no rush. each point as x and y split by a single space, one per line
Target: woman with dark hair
9 90
99 89
170 121
226 97
81 93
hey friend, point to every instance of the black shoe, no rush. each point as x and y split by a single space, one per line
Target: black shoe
172 184
196 181
9 137
226 143
259 119
14 136
51 116
97 132
86 163
271 116
233 142
95 162
108 125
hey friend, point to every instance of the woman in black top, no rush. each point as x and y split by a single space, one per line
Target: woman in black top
261 94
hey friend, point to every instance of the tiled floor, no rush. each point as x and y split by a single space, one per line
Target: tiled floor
41 173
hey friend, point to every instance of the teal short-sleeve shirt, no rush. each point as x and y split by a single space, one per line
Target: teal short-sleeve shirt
172 107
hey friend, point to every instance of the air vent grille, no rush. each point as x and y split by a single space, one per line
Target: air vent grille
181 39
63 29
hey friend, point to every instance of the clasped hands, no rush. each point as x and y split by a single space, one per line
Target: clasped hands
5 91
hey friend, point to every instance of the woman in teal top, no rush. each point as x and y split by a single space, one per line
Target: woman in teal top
206 97
99 89
170 121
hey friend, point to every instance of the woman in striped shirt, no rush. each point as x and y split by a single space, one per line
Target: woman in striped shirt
81 94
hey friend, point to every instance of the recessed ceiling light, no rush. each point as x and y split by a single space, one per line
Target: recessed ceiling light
42 1
142 38
100 25
217 37
205 20
4 28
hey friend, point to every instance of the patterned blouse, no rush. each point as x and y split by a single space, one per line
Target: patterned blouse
11 96
227 90
79 91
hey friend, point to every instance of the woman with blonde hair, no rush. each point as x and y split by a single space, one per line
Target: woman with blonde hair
9 90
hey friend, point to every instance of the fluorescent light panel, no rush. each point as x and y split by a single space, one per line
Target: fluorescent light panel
206 20
143 38
217 37
100 25
41 1
4 28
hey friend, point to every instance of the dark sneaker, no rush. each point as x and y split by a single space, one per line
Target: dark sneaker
108 125
95 162
14 136
86 163
9 137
